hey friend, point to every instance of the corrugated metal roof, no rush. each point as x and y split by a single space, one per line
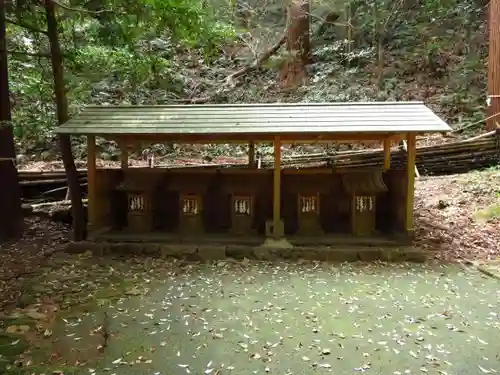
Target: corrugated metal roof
374 117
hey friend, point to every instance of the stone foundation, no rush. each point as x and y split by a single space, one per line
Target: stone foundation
218 252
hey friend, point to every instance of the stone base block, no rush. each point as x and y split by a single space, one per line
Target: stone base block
272 250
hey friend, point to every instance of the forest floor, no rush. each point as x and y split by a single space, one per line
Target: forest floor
458 217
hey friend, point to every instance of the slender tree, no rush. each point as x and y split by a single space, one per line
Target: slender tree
79 229
11 217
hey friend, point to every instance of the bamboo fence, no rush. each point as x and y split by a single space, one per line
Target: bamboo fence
450 158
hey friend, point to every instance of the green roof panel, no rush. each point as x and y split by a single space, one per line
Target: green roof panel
279 118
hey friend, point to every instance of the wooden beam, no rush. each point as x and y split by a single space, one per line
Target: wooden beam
313 171
251 154
493 66
410 178
91 179
387 154
292 138
277 184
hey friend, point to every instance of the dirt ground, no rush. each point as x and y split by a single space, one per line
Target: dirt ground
458 216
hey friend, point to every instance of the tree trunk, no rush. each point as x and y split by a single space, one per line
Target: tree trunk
11 217
75 191
493 67
298 44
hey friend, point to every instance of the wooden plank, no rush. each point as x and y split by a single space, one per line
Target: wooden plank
246 138
313 171
243 170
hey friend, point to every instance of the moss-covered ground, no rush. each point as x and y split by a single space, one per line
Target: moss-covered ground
282 318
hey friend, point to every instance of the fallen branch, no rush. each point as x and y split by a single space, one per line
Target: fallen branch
56 203
37 174
485 135
60 188
42 182
468 126
231 79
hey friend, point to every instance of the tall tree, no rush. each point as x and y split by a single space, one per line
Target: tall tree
79 229
11 217
298 44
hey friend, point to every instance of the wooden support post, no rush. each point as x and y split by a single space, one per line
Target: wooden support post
387 153
493 65
251 154
277 186
410 181
124 155
405 149
91 179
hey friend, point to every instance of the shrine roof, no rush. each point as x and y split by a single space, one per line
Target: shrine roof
255 119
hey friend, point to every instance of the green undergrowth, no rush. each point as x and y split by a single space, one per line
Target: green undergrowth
492 212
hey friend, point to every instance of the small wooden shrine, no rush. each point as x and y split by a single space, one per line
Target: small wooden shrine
363 188
190 189
274 205
242 190
140 192
308 191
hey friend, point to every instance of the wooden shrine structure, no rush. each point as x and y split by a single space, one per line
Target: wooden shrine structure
274 205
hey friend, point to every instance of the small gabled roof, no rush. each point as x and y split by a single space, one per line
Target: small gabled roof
249 119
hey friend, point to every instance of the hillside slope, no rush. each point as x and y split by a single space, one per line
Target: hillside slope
376 50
